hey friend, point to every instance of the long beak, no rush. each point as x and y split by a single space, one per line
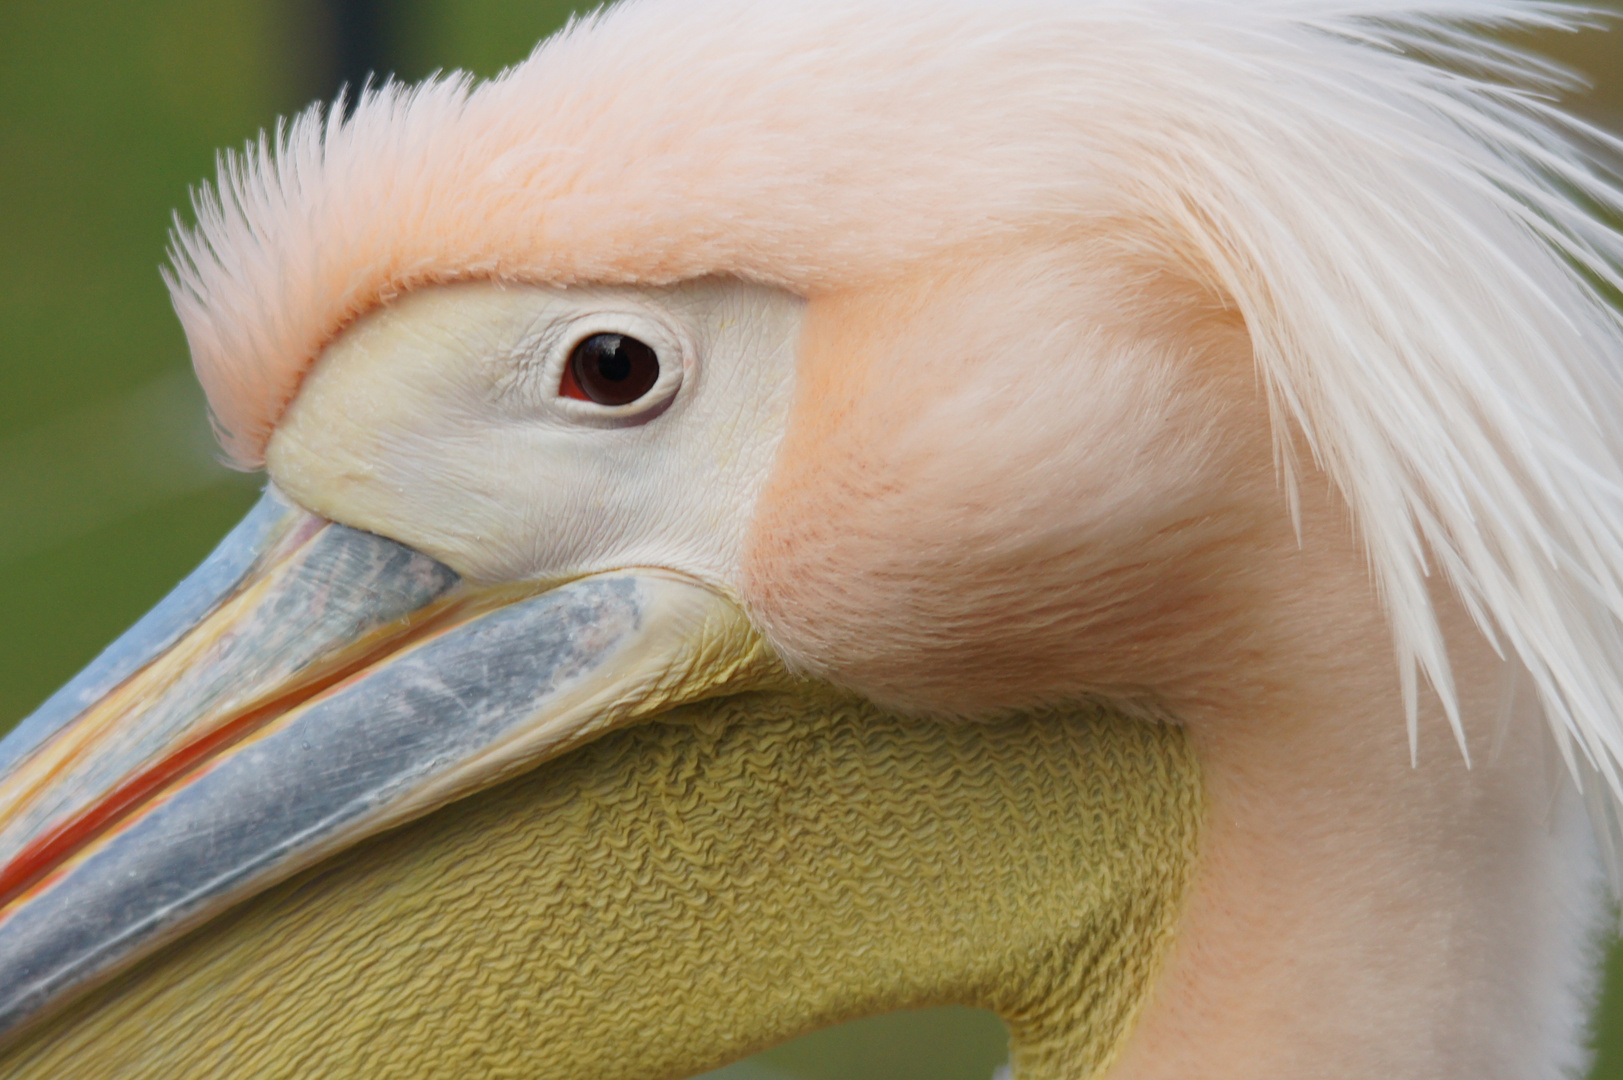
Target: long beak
308 686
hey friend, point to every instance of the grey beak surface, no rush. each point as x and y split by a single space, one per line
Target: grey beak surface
307 686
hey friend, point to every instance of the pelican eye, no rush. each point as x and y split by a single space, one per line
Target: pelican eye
610 369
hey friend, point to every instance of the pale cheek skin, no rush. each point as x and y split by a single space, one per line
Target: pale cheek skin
459 505
506 484
382 405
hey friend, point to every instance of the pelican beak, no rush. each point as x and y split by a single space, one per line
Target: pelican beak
309 685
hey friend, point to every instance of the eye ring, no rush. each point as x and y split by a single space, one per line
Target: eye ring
610 368
554 386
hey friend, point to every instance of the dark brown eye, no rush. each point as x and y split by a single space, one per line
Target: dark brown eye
610 369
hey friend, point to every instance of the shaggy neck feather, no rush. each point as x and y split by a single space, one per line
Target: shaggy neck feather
1354 915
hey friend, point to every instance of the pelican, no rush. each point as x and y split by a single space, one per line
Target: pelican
1111 513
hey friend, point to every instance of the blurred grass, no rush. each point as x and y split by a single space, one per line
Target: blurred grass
108 488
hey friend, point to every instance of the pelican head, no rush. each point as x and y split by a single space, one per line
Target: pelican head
1109 513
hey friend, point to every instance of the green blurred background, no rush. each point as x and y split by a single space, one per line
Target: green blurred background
109 488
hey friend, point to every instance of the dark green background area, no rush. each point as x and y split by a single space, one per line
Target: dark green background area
109 488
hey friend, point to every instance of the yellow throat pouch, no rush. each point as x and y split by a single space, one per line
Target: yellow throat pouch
682 893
